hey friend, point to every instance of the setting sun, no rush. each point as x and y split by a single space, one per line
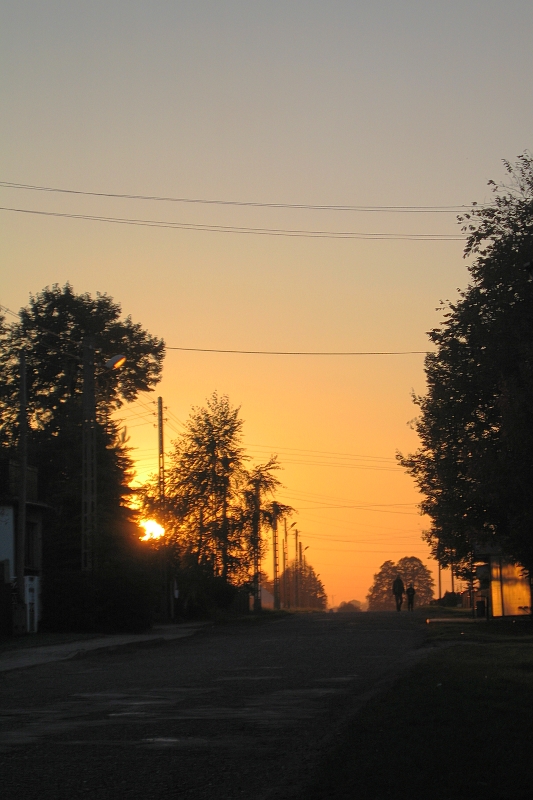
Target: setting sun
152 530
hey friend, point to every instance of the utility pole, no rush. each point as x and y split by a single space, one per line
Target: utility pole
167 572
88 490
301 574
296 571
161 452
286 587
19 621
276 560
256 523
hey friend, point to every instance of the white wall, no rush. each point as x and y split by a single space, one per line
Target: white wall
7 538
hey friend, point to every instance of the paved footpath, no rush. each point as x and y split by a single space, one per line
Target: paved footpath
237 710
14 659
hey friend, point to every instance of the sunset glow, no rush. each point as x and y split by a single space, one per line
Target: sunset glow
152 530
250 190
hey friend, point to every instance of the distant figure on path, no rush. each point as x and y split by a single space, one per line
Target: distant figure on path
398 589
411 591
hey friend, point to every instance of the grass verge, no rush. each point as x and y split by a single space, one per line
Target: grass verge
458 726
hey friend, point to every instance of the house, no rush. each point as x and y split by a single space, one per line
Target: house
504 586
9 508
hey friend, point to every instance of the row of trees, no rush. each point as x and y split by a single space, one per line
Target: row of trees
412 571
300 587
218 510
474 466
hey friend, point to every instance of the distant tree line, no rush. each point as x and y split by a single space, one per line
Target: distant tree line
412 571
300 587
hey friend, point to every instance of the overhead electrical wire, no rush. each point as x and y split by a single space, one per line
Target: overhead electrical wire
417 209
192 226
323 452
304 352
338 465
272 352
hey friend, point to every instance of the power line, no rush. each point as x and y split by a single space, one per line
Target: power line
340 465
273 352
323 452
418 209
303 352
190 226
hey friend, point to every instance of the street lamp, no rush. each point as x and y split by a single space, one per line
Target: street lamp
115 362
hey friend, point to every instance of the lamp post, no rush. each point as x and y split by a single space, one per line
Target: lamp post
88 489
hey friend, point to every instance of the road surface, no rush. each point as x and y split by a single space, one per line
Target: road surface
239 710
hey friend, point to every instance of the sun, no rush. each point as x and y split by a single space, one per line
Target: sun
152 530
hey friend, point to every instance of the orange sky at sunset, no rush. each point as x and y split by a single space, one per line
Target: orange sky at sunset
361 104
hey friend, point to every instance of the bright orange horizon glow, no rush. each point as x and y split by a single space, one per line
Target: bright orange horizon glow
152 530
273 119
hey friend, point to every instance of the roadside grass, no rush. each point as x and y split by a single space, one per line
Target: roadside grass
459 725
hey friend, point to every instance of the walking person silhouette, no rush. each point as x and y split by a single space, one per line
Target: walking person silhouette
398 590
410 592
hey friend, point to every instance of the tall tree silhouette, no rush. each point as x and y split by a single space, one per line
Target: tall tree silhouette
474 465
51 329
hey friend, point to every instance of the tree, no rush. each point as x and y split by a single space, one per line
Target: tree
350 606
311 592
261 484
411 570
204 482
51 330
215 508
474 466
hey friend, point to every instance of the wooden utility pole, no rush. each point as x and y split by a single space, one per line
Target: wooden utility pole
256 533
161 452
88 490
286 586
166 563
296 571
301 575
276 559
19 621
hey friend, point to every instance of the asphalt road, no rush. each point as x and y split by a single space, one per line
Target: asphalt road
242 710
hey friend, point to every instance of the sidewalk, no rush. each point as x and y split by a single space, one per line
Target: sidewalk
32 656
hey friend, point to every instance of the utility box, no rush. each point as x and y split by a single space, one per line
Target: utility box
480 608
32 600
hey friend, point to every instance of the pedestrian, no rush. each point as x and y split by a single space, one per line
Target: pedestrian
411 591
398 590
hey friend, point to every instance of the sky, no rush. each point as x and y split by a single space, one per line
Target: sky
372 104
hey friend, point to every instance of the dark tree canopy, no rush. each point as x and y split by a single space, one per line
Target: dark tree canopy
51 330
474 467
411 570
